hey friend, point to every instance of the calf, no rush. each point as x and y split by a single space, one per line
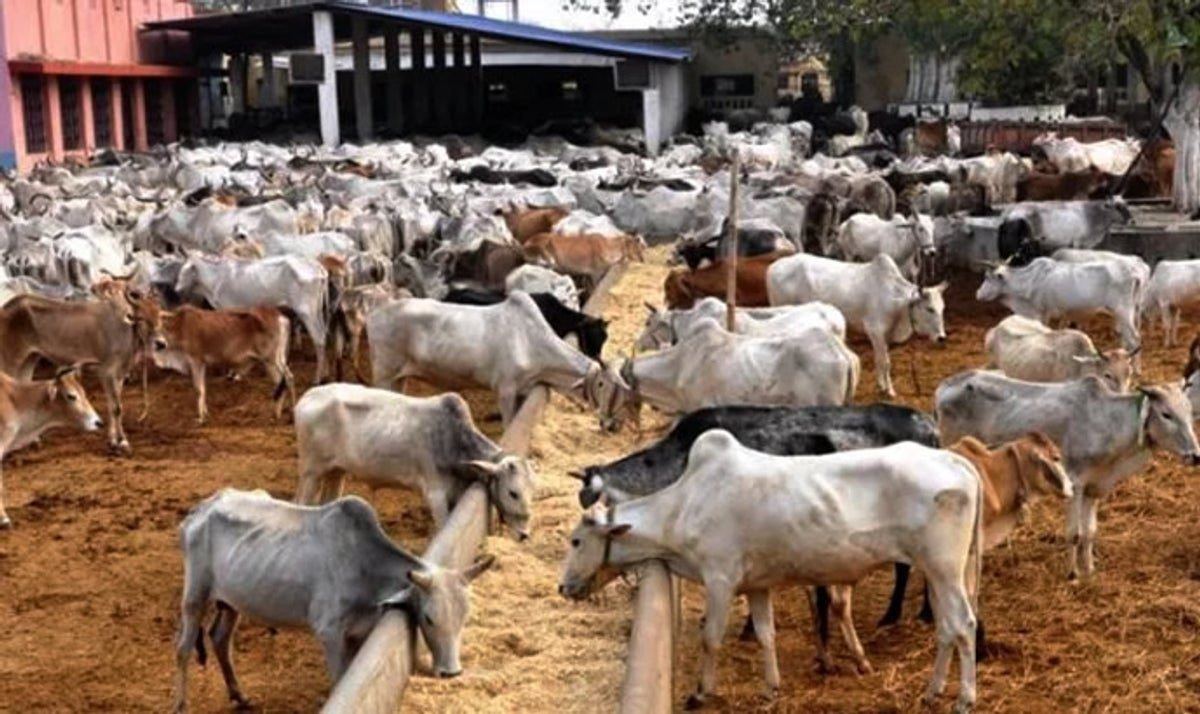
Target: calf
739 520
1026 349
29 408
388 439
527 223
684 287
1013 475
330 568
227 339
590 332
1105 437
874 297
1046 289
908 241
1173 285
104 334
587 256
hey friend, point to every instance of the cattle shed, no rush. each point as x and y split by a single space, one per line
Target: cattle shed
437 73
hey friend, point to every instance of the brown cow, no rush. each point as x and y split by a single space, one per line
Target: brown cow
350 321
525 223
1154 174
227 339
1041 186
105 333
588 256
684 287
29 408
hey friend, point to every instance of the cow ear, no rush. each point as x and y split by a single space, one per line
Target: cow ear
482 470
616 531
479 567
1086 359
399 601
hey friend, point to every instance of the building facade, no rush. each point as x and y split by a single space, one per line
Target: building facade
80 77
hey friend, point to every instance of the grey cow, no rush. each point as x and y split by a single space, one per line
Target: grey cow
331 568
1105 437
388 439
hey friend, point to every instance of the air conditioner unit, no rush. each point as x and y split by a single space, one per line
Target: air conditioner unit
632 74
306 68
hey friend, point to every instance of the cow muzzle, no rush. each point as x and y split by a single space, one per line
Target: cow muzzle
574 591
1192 459
94 423
447 674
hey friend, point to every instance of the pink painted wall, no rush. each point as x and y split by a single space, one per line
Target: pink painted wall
83 30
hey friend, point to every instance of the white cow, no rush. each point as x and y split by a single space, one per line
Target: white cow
713 367
537 279
664 328
1069 155
1173 285
306 245
874 297
1026 349
909 241
740 521
507 347
1105 436
388 439
297 284
331 568
1046 289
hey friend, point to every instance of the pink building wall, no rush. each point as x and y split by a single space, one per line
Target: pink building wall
85 39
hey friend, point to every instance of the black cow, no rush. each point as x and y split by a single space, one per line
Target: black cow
1016 244
781 431
488 175
752 240
592 332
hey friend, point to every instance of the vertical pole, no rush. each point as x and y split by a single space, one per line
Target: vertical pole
364 117
391 61
87 115
331 132
731 255
476 83
53 117
118 116
141 137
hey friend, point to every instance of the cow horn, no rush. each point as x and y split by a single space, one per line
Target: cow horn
1135 350
650 306
577 474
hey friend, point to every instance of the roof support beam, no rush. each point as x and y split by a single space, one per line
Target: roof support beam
420 82
441 87
331 131
364 116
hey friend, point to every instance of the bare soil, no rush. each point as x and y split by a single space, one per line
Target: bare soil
90 576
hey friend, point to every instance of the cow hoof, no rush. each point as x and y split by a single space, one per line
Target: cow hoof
748 634
963 707
120 448
694 702
242 704
864 668
824 665
5 523
889 618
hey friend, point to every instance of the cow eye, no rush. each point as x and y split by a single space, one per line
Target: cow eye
574 542
513 494
1168 416
72 397
429 620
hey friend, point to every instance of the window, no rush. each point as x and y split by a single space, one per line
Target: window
70 107
102 111
727 85
570 91
499 9
33 104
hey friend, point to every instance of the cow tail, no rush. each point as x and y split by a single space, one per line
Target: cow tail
281 355
976 553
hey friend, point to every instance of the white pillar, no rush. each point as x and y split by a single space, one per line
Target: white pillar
266 97
364 117
395 99
331 132
651 120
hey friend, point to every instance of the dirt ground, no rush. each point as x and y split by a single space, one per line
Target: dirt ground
90 576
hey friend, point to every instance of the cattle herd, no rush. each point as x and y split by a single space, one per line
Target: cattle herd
467 266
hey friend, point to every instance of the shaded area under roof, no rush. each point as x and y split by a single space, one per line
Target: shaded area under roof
291 28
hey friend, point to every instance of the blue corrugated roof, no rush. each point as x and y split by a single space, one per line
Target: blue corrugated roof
518 32
448 21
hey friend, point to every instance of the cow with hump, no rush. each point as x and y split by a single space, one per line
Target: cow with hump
1105 436
29 408
391 440
508 347
1024 348
741 521
330 568
874 298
